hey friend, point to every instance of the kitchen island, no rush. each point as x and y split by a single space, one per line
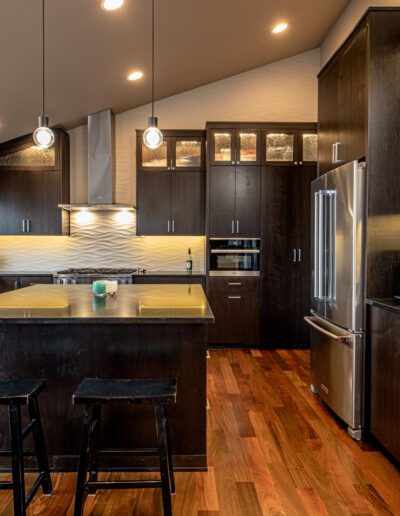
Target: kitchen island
63 334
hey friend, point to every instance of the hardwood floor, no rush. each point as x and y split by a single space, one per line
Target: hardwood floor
272 449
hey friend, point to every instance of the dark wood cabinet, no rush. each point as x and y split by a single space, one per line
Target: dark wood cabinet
384 366
234 201
171 185
235 302
230 145
342 105
285 254
32 186
8 283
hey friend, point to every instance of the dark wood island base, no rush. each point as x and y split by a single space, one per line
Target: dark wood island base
64 352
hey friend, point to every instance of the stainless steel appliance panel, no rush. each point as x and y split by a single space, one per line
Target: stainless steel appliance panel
344 305
337 370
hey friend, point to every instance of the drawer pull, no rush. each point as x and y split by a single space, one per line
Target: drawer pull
234 297
233 284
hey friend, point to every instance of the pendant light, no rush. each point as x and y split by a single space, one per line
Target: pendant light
152 137
43 135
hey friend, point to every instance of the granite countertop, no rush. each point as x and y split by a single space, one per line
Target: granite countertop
133 304
391 304
147 273
26 273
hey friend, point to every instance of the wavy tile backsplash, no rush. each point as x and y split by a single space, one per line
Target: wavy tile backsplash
101 239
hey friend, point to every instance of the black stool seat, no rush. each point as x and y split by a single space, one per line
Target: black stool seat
19 391
98 390
16 393
93 393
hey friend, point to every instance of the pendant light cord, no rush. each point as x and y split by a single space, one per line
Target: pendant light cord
152 59
43 62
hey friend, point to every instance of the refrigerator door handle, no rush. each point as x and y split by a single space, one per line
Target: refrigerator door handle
318 244
312 321
331 244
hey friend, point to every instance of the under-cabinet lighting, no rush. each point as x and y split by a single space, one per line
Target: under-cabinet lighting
84 216
124 217
279 28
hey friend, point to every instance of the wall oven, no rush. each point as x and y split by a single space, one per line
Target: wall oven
234 257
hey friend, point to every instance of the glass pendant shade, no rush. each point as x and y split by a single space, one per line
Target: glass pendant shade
43 135
152 137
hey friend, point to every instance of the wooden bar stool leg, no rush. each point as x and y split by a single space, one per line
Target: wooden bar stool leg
17 457
83 461
40 446
93 448
170 464
163 454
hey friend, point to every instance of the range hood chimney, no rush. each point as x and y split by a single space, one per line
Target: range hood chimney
101 164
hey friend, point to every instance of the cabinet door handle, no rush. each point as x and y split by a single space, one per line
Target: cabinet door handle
294 255
234 297
299 255
237 227
16 284
334 153
173 225
232 284
168 226
28 225
23 226
233 227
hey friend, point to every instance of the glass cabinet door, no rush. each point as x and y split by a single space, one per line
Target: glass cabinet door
247 147
222 147
279 147
308 147
155 159
188 153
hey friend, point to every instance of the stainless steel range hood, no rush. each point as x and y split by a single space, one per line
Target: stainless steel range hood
101 165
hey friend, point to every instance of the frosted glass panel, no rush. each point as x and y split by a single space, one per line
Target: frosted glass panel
222 147
30 157
279 147
310 147
248 146
188 153
155 157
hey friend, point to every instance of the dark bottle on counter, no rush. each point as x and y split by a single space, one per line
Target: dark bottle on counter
189 261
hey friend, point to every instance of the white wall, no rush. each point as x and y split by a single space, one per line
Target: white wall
346 23
283 91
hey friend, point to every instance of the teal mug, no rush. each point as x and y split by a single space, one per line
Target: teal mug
99 288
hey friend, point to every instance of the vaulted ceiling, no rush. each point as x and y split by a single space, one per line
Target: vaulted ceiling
90 51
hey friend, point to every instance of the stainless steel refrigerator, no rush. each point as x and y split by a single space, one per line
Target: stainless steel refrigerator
337 305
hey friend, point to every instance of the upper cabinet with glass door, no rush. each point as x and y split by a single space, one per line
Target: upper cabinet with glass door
290 147
235 146
180 152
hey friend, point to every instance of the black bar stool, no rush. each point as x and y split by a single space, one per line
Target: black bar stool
93 392
16 393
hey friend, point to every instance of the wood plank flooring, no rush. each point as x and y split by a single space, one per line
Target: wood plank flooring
272 449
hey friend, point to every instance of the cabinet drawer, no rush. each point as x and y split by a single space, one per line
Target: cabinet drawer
229 284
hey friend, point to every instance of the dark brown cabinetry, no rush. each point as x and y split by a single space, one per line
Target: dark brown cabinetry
32 184
285 254
234 201
342 106
384 360
234 146
171 185
235 304
359 109
8 283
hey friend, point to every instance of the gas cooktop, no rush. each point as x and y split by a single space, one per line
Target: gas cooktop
86 271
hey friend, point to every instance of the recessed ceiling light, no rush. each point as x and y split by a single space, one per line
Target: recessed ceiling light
134 76
279 28
111 5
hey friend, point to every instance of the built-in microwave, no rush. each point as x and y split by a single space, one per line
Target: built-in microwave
234 257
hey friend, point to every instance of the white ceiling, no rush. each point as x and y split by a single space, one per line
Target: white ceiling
91 51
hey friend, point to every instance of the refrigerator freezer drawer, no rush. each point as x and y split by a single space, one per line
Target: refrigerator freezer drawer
337 370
